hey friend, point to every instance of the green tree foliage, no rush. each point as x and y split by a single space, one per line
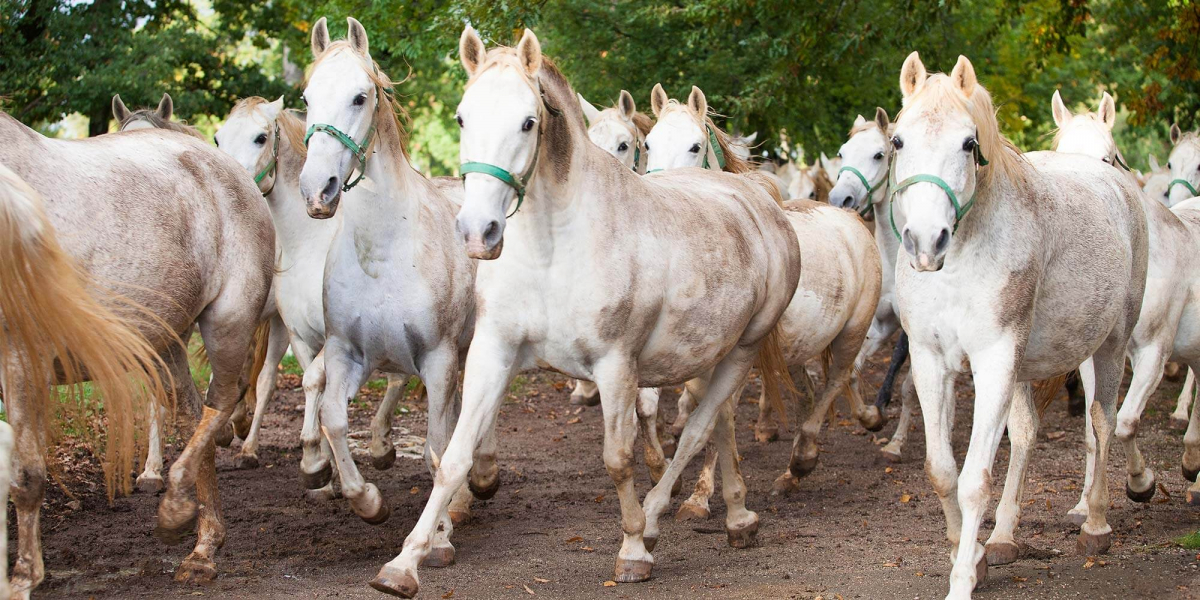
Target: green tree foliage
797 69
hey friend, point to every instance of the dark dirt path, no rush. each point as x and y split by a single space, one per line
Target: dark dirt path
553 529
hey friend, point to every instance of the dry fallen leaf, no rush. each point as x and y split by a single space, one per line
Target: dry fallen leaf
1048 507
449 594
904 498
1020 579
1055 435
891 564
574 539
415 490
610 583
588 549
920 573
540 580
887 470
574 420
528 590
1088 564
600 498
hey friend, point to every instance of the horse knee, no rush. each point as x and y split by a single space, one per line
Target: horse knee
1127 428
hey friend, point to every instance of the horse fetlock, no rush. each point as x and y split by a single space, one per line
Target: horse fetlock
484 485
871 418
225 435
439 557
383 454
1140 488
370 505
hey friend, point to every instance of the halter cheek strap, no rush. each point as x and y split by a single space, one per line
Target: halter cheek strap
269 170
360 151
1185 183
519 183
960 210
870 188
716 148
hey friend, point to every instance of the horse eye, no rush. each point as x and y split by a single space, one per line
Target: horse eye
897 142
839 155
969 144
360 99
878 156
261 139
529 123
304 99
459 119
812 195
647 146
623 147
695 149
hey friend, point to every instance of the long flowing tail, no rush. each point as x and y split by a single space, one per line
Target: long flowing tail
773 368
262 338
58 325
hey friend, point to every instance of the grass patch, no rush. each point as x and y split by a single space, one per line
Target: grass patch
517 387
377 385
291 366
1190 541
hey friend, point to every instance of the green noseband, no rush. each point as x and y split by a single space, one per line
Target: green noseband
358 150
519 183
870 188
270 168
960 210
1185 183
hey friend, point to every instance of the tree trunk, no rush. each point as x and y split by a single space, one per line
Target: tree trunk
98 121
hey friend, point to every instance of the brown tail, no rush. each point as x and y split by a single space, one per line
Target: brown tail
1045 391
774 369
58 323
262 337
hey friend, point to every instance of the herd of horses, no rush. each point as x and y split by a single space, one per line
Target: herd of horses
632 254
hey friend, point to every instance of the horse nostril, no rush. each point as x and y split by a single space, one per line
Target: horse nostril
943 238
491 232
331 188
848 202
908 242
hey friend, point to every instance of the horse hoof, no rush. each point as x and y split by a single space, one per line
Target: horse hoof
632 571
396 582
375 510
668 448
459 517
743 537
384 461
1091 545
785 484
321 496
981 571
175 520
1177 423
1137 496
1001 553
802 467
439 557
485 492
1189 474
690 511
245 461
585 401
1076 518
1192 497
225 436
892 456
872 419
650 541
765 435
317 480
150 484
196 570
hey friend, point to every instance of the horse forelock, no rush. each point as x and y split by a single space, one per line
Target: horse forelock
391 112
1093 119
939 96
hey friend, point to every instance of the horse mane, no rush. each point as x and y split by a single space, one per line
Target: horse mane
643 123
150 116
290 125
939 93
1190 137
822 184
733 162
392 113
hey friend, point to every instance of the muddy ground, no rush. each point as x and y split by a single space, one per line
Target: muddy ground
859 528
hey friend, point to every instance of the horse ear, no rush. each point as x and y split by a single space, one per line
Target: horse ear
748 140
470 50
1175 133
357 35
1107 111
1154 163
166 107
320 37
859 120
912 75
963 76
589 111
1061 114
277 105
882 120
529 50
697 102
120 113
628 108
658 99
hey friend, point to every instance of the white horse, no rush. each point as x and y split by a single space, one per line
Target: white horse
810 183
991 248
268 142
861 184
1168 326
1184 165
398 291
1157 181
834 301
605 276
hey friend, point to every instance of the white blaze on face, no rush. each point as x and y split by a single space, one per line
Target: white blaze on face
867 152
248 135
340 94
1184 164
676 141
615 138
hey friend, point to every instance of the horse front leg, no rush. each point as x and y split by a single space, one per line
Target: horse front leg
277 344
994 370
345 373
741 524
491 364
1001 547
1191 454
6 464
439 373
1148 365
696 506
316 462
894 450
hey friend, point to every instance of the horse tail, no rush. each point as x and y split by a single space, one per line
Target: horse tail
199 356
58 326
773 368
262 338
1046 390
899 355
768 183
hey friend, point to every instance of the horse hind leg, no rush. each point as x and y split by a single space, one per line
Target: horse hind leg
1180 418
277 344
199 565
6 463
28 483
804 445
1001 547
766 430
1147 372
648 422
1191 455
894 449
741 524
696 506
1109 362
383 452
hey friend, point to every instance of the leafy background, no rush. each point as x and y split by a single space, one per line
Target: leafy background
796 72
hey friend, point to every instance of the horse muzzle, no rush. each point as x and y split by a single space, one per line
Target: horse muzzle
483 238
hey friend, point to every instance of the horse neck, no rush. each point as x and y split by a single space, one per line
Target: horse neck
399 191
885 238
549 210
294 229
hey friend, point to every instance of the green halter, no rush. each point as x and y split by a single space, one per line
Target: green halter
358 150
519 183
637 154
1118 159
1185 183
960 210
712 143
870 188
270 168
